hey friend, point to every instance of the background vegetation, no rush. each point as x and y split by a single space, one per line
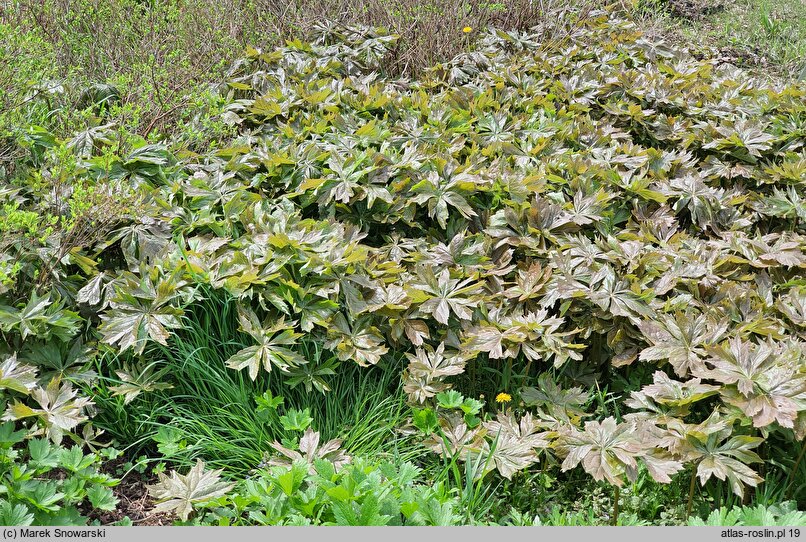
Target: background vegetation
259 270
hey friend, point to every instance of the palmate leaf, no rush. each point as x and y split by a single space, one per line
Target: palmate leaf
439 195
427 369
793 306
83 142
68 361
366 513
534 334
782 204
497 342
746 138
703 202
311 308
421 386
17 376
681 340
464 251
785 250
514 442
137 380
15 514
558 404
273 348
359 341
296 420
607 450
416 331
586 209
526 226
311 375
141 241
41 317
765 381
102 498
724 458
61 411
529 283
142 310
455 439
444 295
133 327
617 298
670 392
178 493
310 450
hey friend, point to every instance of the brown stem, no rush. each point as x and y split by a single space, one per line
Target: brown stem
159 117
691 493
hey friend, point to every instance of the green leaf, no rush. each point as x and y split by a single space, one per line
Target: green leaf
44 456
267 401
450 399
425 420
17 514
74 460
296 420
102 498
9 437
291 480
169 440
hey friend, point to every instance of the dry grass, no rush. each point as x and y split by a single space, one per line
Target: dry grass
159 54
162 54
431 31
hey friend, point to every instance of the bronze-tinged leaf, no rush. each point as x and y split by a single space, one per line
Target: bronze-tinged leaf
274 349
681 340
177 493
515 443
670 392
309 451
764 380
562 405
17 376
607 450
60 409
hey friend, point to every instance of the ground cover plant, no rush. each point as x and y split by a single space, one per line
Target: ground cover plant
555 279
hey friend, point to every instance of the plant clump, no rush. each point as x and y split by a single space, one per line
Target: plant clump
599 212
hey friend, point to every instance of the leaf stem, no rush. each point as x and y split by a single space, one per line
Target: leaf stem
793 472
691 492
615 505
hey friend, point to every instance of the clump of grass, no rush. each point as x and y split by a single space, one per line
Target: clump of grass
213 409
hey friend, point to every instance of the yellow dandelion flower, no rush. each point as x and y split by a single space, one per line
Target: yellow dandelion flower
503 398
467 30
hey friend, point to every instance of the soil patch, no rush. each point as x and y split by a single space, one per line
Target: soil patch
134 501
694 9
